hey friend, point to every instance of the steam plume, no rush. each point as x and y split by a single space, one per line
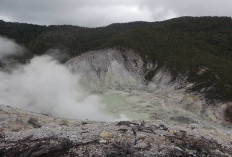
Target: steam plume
46 86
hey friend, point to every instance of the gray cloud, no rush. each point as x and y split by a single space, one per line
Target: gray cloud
103 12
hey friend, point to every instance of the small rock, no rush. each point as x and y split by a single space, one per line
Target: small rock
163 127
193 126
141 136
178 148
102 141
64 122
141 145
84 123
181 133
202 70
34 122
73 137
106 135
191 152
123 130
127 123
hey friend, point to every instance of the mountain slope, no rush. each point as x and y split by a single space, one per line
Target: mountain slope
184 45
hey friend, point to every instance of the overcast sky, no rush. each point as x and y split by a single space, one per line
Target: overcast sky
94 13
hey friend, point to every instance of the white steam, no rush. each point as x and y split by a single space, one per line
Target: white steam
9 47
46 86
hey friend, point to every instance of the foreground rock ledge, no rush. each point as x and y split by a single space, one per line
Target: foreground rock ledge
61 137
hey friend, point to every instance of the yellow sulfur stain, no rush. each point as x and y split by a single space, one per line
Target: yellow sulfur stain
106 135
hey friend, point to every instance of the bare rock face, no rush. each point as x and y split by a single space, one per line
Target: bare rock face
111 68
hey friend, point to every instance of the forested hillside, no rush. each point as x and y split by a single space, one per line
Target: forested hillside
186 46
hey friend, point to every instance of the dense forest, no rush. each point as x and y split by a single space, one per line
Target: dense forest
183 45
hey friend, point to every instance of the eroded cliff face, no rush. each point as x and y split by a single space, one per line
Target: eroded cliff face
115 69
110 68
123 74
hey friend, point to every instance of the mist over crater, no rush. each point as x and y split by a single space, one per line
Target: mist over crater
105 85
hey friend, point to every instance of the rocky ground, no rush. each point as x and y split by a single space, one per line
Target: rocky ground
25 133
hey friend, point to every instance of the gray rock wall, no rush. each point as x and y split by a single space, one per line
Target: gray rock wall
111 68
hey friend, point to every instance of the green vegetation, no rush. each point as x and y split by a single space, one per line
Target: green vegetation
183 45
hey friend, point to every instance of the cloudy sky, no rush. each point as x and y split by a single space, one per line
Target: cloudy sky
94 13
